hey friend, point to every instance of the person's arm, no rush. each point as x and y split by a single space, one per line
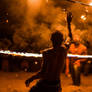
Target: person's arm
39 74
36 76
70 38
69 19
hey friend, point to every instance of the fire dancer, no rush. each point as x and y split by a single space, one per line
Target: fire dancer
53 62
75 63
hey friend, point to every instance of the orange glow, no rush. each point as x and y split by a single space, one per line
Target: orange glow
34 3
83 17
7 21
90 4
36 62
47 1
34 6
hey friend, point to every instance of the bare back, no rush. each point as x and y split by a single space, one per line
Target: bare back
53 63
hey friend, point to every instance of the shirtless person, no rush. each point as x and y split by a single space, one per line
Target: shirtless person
53 62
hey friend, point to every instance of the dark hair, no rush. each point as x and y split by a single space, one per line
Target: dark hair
57 38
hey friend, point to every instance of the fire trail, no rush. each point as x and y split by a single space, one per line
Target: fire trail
7 52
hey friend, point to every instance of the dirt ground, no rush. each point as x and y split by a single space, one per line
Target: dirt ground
14 82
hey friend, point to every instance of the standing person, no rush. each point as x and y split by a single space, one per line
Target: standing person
75 63
53 62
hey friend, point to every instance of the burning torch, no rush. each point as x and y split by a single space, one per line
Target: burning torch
69 19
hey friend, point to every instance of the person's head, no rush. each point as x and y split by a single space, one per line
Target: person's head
57 39
76 40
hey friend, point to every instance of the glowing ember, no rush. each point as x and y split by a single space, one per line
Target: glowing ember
83 17
7 21
39 55
36 62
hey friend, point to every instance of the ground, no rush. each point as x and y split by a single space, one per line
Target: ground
14 82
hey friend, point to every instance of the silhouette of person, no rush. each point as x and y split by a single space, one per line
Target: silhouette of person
53 63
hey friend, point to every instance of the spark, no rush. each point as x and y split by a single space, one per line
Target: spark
36 62
38 55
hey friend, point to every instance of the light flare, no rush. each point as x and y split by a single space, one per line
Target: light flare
7 52
90 4
20 53
7 21
34 3
83 17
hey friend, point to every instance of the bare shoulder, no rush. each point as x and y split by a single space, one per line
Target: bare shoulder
47 51
52 50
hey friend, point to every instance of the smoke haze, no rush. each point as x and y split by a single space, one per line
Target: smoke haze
37 19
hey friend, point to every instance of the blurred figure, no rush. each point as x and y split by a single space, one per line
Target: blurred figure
75 63
53 63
